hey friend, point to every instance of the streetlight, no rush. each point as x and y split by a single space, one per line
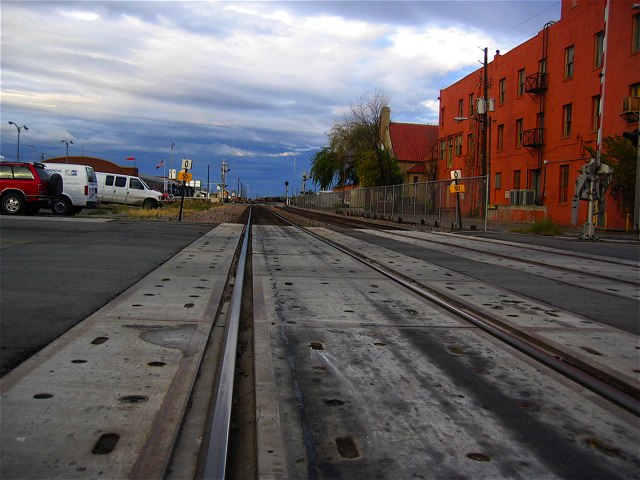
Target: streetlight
67 144
19 128
171 158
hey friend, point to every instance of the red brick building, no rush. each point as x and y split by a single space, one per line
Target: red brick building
544 111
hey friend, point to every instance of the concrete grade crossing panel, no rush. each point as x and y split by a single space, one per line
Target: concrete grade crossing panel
367 381
107 398
611 350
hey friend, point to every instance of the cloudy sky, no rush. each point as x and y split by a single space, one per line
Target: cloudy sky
257 84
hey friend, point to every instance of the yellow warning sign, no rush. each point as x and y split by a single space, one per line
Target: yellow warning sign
459 188
185 176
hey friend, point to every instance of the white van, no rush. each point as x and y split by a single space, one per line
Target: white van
80 188
117 188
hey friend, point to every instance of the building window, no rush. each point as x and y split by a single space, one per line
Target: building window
521 78
569 53
519 130
635 36
502 85
598 49
595 113
458 144
415 179
442 117
443 149
542 66
450 152
634 91
516 180
460 107
500 145
497 184
471 107
564 184
567 112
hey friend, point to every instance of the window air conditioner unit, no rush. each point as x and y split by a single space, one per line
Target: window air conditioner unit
513 197
528 197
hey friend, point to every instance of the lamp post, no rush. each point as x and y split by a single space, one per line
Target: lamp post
19 129
67 142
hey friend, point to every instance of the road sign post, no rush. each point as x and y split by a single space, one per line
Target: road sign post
457 188
185 176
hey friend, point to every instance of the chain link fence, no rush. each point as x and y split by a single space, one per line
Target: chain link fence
439 203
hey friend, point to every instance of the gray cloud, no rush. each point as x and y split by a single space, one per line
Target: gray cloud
257 84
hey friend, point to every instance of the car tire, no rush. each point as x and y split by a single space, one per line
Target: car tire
54 188
13 203
149 203
62 206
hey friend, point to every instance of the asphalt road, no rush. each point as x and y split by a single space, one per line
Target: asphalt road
55 272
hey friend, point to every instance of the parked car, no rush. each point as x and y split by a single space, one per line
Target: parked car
80 188
117 188
26 187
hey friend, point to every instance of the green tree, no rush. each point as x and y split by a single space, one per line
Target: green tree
325 168
621 155
355 153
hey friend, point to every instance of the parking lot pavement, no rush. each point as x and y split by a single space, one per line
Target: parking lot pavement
55 272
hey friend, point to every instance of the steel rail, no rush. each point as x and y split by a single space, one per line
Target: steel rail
213 464
593 383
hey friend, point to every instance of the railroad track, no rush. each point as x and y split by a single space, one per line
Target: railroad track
360 311
275 323
614 388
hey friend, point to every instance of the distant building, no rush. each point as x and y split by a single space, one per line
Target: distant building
98 164
414 146
546 94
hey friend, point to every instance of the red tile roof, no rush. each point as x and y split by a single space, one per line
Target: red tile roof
419 168
411 141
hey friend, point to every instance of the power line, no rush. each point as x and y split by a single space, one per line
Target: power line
528 19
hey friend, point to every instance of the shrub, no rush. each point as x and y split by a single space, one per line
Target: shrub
541 227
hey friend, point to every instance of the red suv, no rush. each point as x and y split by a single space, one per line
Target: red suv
25 187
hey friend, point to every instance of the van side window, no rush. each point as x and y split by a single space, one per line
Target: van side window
135 183
109 180
121 181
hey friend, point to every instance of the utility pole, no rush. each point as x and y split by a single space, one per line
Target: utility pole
485 114
225 169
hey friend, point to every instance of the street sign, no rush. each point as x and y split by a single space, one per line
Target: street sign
172 174
185 176
456 188
456 174
187 164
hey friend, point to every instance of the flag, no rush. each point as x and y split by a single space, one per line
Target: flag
131 158
161 164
